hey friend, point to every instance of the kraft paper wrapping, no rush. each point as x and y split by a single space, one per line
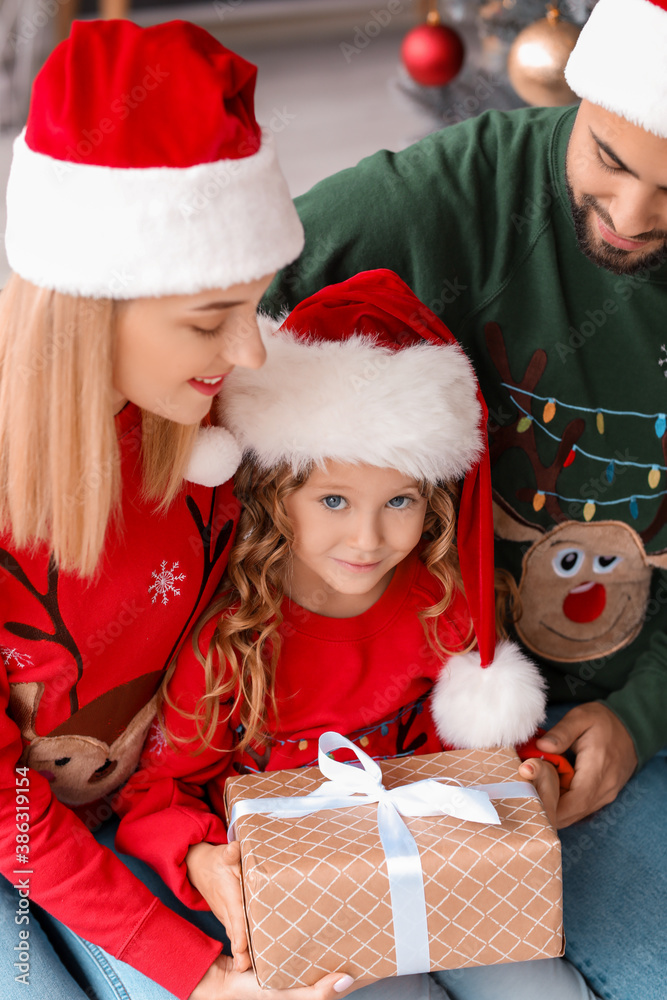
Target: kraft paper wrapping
316 889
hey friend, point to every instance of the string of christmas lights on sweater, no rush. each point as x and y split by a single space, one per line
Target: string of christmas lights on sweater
659 421
361 736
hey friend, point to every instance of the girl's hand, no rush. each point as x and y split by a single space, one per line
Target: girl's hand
545 778
215 871
222 982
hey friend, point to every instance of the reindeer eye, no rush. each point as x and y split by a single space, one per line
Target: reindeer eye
62 761
568 562
605 564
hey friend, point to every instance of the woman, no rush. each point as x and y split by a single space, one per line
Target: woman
146 215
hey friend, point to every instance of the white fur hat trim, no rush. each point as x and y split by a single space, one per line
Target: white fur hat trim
126 233
498 705
414 409
215 457
620 62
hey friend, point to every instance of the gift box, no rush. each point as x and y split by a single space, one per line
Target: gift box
355 888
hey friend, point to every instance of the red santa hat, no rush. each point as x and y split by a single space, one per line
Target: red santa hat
142 170
620 61
363 372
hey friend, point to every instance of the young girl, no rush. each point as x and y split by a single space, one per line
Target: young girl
146 213
345 591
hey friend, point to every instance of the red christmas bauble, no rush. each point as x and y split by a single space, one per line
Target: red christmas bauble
432 54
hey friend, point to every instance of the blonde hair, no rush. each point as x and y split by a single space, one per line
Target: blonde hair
240 665
60 479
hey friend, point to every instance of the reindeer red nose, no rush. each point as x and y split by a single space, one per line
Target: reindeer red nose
585 603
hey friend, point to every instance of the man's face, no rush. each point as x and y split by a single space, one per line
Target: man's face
617 183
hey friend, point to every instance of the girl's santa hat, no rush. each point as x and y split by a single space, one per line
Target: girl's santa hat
363 372
142 170
619 61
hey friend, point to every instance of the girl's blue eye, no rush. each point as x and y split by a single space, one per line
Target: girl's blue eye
334 502
399 503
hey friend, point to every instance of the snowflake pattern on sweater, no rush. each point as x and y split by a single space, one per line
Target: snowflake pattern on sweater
165 581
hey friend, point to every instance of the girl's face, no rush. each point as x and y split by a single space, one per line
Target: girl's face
352 525
173 352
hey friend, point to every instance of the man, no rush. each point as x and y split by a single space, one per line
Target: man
540 237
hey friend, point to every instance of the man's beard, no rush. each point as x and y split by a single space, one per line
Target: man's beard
611 258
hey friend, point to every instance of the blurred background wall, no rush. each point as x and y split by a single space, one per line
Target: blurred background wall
332 85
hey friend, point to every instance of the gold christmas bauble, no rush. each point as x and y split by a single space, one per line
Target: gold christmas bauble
537 59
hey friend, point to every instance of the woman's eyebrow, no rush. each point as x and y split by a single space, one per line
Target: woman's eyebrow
216 305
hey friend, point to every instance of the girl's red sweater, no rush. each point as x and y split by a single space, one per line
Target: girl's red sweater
368 677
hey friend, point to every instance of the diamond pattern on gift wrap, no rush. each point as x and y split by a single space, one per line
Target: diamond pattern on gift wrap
493 894
509 899
349 909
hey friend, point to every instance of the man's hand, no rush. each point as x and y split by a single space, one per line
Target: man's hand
545 778
605 758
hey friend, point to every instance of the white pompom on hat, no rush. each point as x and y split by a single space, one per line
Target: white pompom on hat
215 457
502 706
620 61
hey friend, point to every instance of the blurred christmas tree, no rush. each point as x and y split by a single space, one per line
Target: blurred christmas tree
533 36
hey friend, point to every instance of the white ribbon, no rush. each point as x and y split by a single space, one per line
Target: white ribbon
360 783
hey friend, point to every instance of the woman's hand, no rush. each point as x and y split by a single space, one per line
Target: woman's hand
545 778
223 982
215 871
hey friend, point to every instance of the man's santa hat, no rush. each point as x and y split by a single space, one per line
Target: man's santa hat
620 61
363 372
142 170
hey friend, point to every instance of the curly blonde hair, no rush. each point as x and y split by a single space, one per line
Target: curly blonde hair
240 665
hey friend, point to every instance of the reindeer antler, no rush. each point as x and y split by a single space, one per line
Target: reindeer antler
508 436
61 635
211 553
495 343
661 515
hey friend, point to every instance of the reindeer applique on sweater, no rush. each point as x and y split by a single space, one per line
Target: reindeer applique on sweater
584 585
97 748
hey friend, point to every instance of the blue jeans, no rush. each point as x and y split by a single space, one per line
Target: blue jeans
66 967
615 888
46 976
98 976
63 966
